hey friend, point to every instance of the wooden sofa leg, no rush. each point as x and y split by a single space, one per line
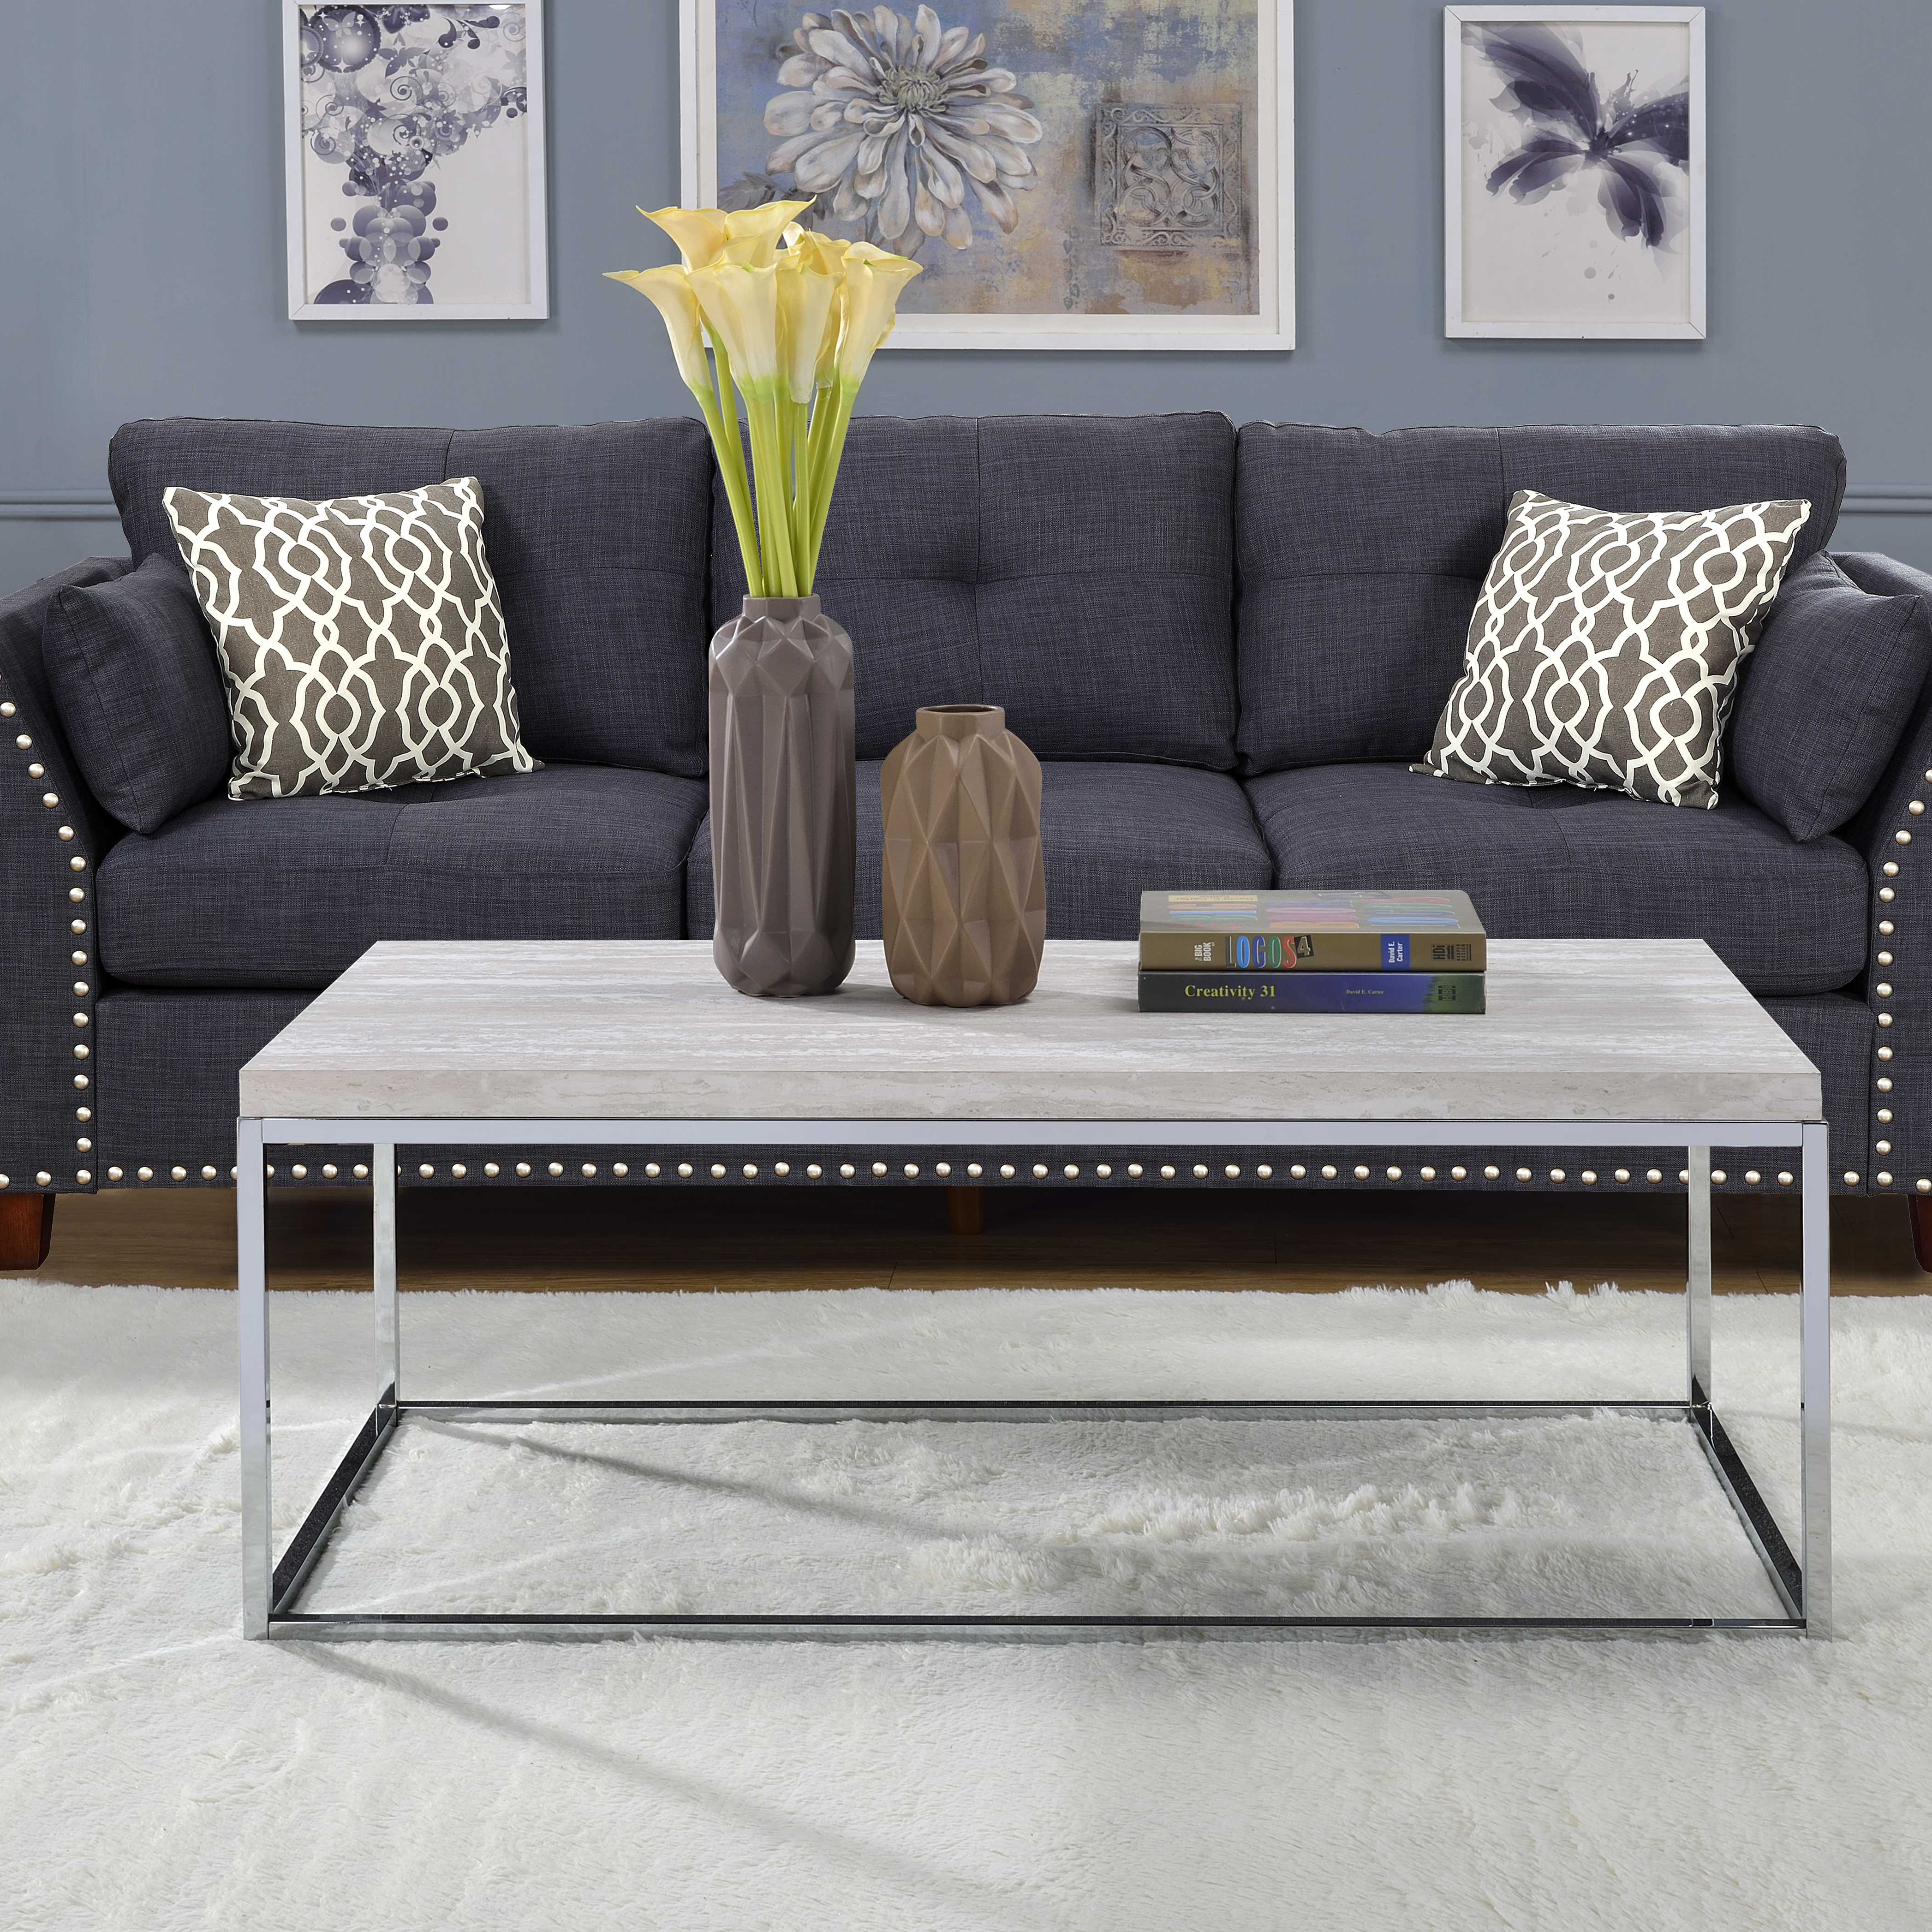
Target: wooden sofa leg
27 1230
1921 1231
966 1209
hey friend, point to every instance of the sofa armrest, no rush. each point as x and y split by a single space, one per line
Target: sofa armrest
46 887
1893 832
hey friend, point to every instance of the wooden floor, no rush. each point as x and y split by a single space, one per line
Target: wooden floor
702 1240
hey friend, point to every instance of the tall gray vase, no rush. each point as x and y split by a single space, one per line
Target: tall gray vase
783 836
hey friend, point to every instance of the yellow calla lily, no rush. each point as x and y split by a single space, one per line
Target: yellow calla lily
670 290
873 282
740 306
699 232
826 253
793 327
807 292
827 250
752 234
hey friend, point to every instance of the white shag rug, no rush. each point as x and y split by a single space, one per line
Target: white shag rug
156 1772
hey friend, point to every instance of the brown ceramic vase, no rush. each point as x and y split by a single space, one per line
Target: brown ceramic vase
964 885
783 842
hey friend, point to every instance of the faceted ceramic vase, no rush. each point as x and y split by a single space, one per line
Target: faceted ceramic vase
965 877
782 785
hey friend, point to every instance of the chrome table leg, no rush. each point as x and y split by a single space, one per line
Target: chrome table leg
258 1555
1815 1390
389 1335
1697 1292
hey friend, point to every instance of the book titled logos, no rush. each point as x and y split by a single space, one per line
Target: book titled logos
1286 932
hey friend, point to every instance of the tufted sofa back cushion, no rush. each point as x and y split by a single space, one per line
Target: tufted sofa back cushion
597 536
1360 556
1078 570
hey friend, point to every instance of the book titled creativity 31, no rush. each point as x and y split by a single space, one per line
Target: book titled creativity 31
1312 931
1306 992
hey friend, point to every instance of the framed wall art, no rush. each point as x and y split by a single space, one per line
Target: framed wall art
1574 172
415 140
1115 177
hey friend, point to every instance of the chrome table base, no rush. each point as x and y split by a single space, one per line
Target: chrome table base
273 1590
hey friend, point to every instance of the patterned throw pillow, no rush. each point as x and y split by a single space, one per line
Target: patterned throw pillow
1605 646
361 639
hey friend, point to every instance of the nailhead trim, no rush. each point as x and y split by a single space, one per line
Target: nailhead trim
1039 1171
1882 990
76 895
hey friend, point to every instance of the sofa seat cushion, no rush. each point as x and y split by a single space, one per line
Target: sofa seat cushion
1110 832
1557 862
288 892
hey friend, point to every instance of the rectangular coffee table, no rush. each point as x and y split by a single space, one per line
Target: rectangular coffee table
640 1044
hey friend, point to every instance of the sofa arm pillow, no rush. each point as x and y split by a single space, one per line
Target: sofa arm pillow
1826 697
134 678
1604 651
361 638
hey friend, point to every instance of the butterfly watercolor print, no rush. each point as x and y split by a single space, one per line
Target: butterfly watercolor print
1632 143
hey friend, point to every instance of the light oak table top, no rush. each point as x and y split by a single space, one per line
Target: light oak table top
1599 1030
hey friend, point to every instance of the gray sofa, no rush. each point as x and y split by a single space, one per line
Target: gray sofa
1225 648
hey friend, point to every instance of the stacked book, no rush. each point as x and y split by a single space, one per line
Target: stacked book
1311 953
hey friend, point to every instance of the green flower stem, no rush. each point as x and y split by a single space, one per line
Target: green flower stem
831 449
798 420
721 417
725 441
761 408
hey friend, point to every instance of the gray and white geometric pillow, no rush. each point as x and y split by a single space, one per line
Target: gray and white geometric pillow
1604 649
361 639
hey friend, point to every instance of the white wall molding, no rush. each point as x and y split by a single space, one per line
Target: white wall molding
1888 499
58 506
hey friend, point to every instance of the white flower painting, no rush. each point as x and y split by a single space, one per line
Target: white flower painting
904 127
1107 174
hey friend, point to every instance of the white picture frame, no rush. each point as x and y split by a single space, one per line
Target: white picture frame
1271 194
1536 290
488 236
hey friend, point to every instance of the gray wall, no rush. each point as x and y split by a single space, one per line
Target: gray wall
141 146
